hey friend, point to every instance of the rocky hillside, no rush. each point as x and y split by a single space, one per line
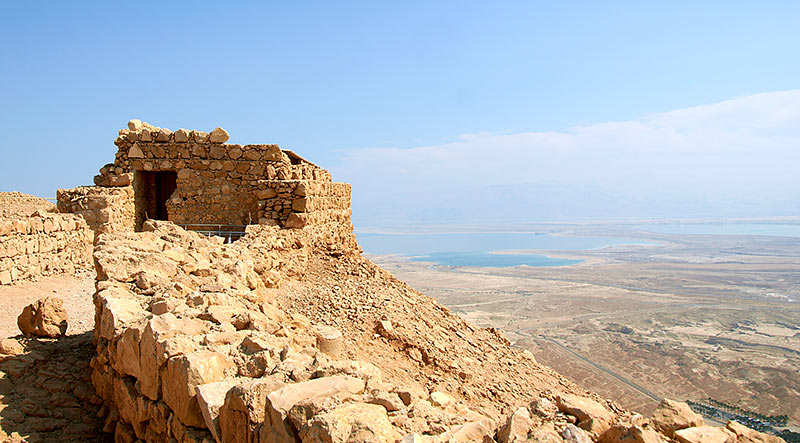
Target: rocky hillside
273 338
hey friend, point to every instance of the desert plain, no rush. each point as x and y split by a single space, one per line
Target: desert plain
681 316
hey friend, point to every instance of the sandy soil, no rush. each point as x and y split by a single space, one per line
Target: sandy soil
695 317
74 290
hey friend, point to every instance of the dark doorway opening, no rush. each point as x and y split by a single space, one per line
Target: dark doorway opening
152 190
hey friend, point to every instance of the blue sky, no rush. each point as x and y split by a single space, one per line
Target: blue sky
339 80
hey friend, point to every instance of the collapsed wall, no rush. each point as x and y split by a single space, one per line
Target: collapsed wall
43 244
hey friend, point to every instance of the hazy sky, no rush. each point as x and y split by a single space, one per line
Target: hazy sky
428 105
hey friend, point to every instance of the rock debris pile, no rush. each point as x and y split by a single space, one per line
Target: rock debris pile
200 341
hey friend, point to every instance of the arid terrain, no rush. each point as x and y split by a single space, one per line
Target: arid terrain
689 317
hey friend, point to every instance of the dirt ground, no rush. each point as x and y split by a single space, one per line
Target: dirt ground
74 290
46 393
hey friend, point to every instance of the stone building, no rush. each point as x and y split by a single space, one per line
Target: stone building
197 180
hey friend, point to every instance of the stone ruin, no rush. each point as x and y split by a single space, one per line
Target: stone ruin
198 339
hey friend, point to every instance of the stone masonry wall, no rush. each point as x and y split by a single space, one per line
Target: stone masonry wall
191 348
216 182
105 209
42 245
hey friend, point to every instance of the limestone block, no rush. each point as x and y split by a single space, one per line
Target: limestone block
671 415
591 415
279 402
516 427
116 312
163 135
183 373
218 135
135 151
704 434
747 435
163 337
211 397
351 422
619 433
244 409
135 124
181 136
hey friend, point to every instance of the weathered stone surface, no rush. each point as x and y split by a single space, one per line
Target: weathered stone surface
704 434
619 433
591 415
183 373
279 402
10 346
351 422
329 340
516 427
135 151
210 398
672 415
135 124
44 318
545 433
474 431
747 435
573 434
218 135
244 409
164 336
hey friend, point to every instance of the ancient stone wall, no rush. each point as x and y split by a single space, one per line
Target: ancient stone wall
190 348
216 182
43 244
105 209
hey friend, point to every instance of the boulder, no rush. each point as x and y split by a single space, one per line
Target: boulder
440 399
218 135
474 431
244 409
591 415
44 318
747 435
516 427
704 434
543 407
671 415
573 434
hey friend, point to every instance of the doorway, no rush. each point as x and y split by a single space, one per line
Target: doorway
152 189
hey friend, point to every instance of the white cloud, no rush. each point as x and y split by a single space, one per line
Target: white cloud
751 141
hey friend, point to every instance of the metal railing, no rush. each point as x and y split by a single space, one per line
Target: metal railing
230 233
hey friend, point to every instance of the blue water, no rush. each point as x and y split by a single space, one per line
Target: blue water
490 260
779 230
476 249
